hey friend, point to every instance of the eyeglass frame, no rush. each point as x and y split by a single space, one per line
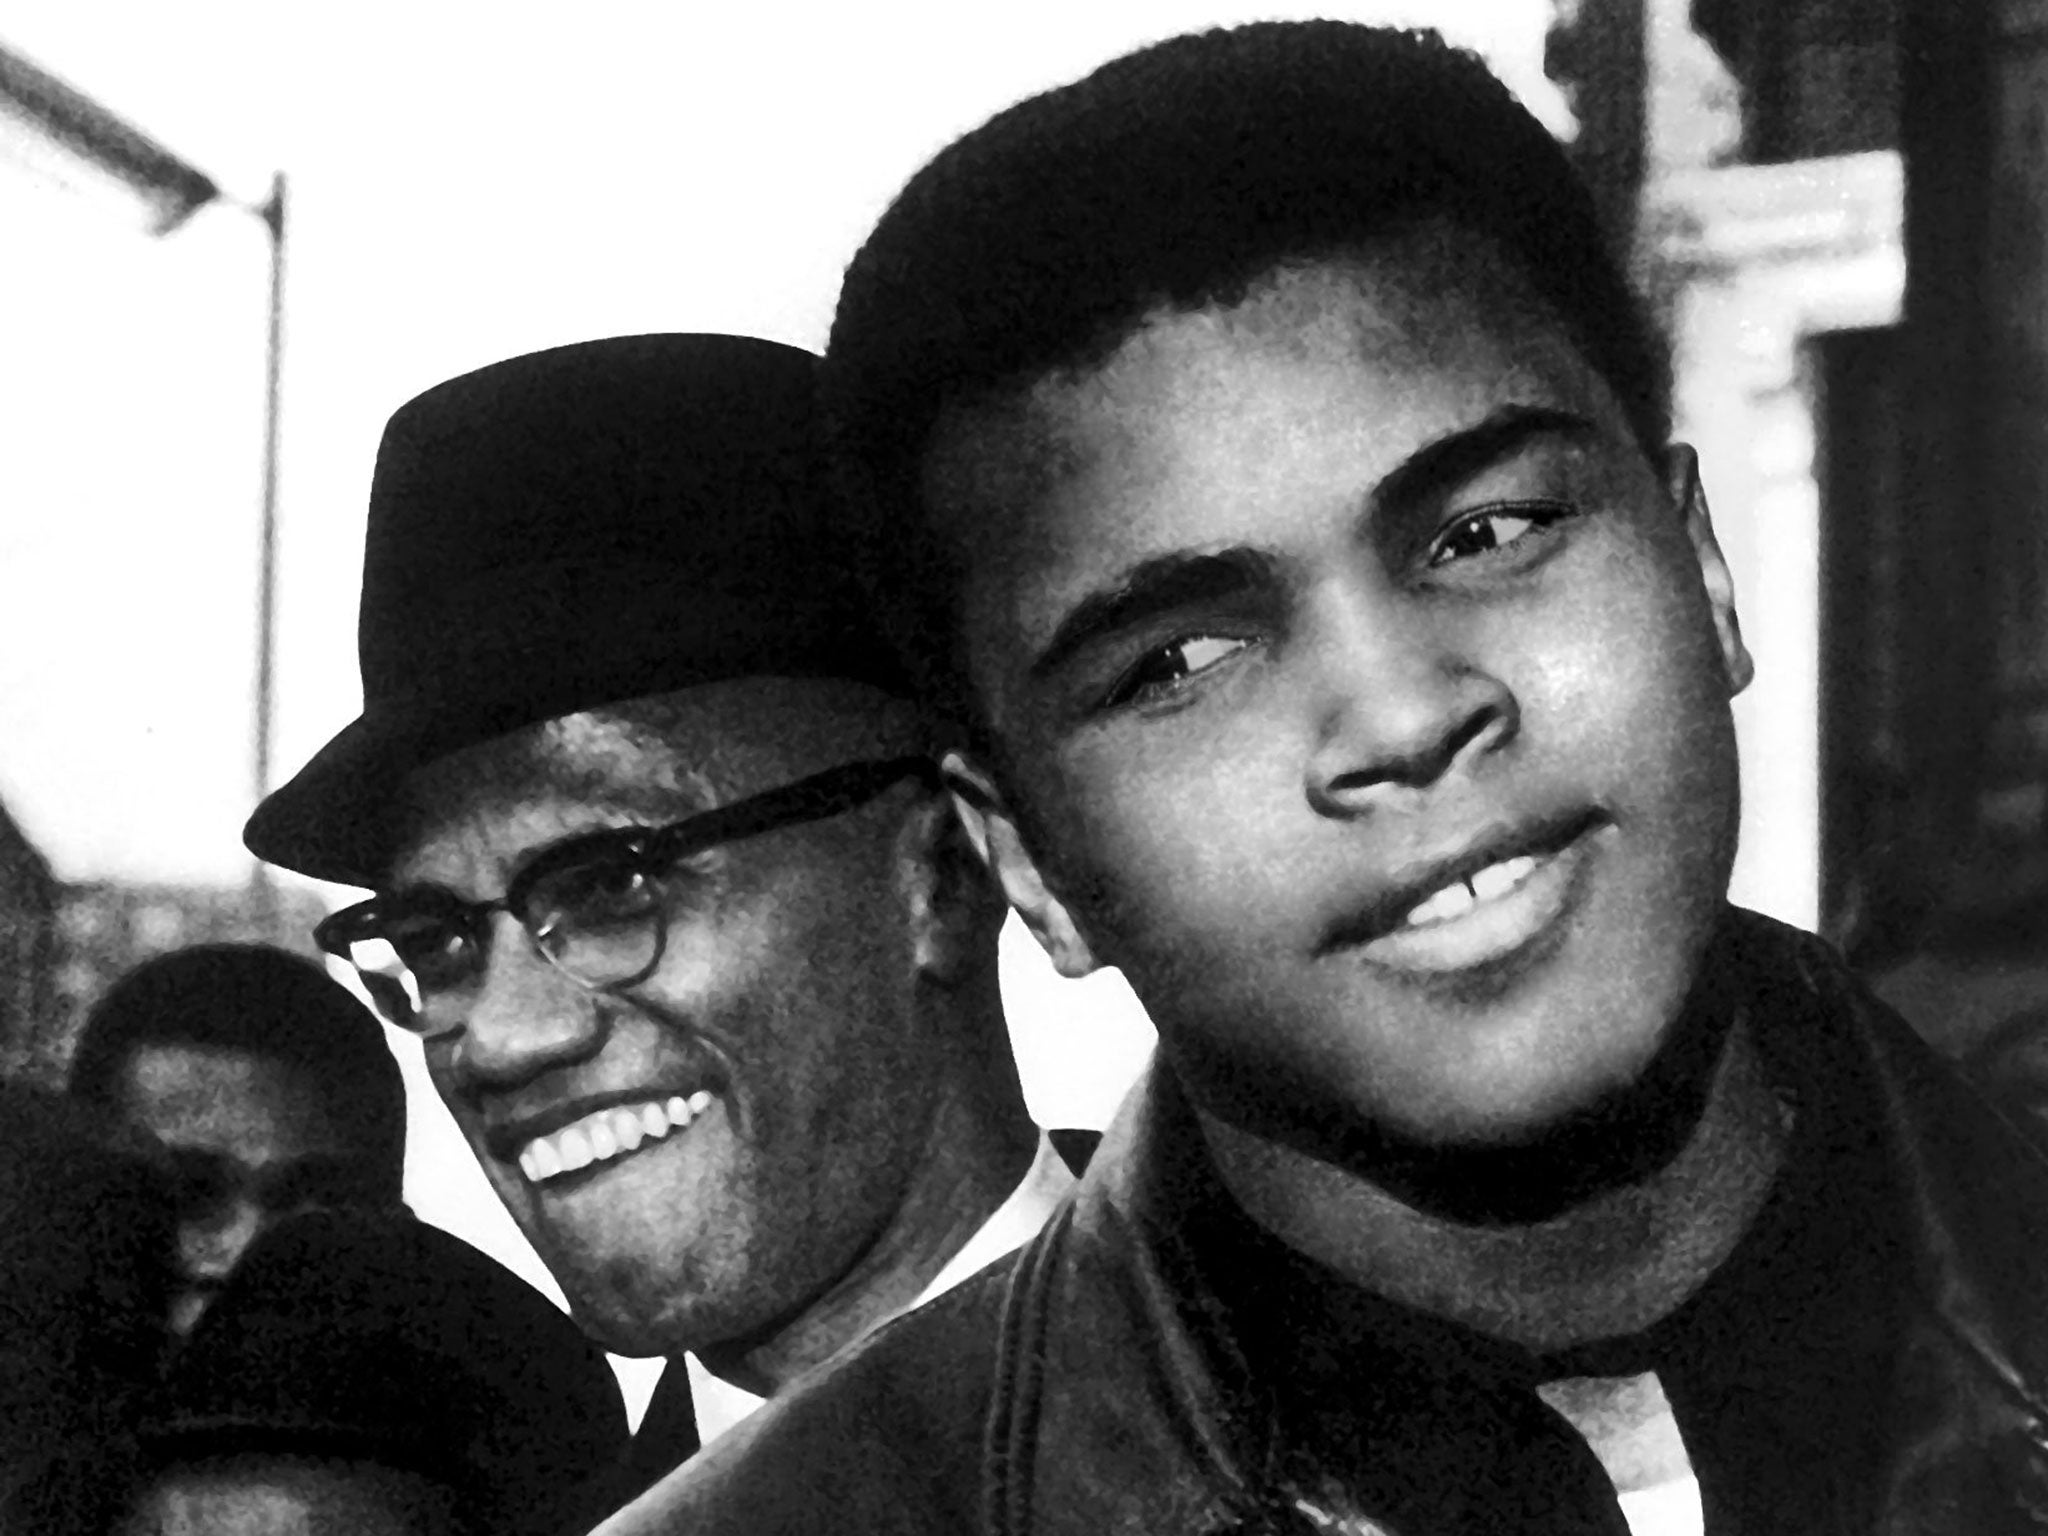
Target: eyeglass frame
649 851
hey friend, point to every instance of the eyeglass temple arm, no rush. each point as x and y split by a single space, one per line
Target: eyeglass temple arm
812 799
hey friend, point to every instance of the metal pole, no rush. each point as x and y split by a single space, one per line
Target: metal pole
273 214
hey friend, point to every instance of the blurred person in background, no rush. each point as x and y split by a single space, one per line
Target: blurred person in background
370 1375
85 1276
705 969
268 1088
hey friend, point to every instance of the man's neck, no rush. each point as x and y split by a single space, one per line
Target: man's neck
980 1143
1610 1266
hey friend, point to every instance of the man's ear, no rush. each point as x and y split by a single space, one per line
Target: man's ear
992 829
1682 483
955 907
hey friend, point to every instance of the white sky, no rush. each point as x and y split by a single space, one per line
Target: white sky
468 182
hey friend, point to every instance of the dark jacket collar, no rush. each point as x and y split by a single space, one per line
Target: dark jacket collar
1124 1404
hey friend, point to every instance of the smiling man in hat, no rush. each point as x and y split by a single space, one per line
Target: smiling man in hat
663 875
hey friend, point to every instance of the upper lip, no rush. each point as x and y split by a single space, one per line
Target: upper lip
507 1138
1383 912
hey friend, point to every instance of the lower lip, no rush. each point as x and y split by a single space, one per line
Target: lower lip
1493 931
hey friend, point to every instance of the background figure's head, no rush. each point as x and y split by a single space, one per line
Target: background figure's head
369 1373
1265 461
704 1062
267 1084
85 1275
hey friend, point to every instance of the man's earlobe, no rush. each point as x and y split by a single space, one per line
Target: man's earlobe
1682 482
992 830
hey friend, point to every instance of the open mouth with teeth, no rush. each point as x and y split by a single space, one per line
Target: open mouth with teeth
1461 896
608 1134
1464 921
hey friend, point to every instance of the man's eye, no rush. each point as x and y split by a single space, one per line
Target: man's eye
437 952
1497 528
1159 673
599 891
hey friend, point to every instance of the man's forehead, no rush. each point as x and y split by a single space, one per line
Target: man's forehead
1389 303
191 1093
602 756
643 760
500 799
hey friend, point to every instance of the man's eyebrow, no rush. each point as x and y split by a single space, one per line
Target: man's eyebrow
435 890
1151 588
1443 464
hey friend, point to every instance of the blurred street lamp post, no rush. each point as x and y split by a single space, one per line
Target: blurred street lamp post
262 897
58 131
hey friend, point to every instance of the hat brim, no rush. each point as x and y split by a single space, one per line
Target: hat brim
336 818
588 637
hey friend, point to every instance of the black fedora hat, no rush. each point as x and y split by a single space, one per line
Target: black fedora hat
379 1338
570 529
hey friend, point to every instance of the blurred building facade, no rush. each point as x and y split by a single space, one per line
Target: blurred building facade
28 943
1841 208
62 944
1747 157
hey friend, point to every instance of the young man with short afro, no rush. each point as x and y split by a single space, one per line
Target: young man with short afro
1268 465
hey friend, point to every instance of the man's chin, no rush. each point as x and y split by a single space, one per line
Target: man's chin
1520 1176
627 1309
1542 1173
620 1293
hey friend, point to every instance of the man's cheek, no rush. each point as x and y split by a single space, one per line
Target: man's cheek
1198 868
440 1059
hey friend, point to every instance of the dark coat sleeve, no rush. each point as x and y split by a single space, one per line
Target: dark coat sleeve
880 1441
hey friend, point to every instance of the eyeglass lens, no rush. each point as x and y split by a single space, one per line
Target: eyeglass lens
595 919
598 917
599 921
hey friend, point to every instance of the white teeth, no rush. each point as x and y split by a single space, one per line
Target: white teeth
1454 900
627 1130
607 1134
1461 896
547 1162
575 1149
1499 879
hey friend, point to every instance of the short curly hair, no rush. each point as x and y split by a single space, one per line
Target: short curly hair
264 1001
1173 179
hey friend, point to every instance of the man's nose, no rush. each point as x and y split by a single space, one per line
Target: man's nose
1402 699
526 1014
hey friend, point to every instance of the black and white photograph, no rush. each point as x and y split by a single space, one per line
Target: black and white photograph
1121 769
